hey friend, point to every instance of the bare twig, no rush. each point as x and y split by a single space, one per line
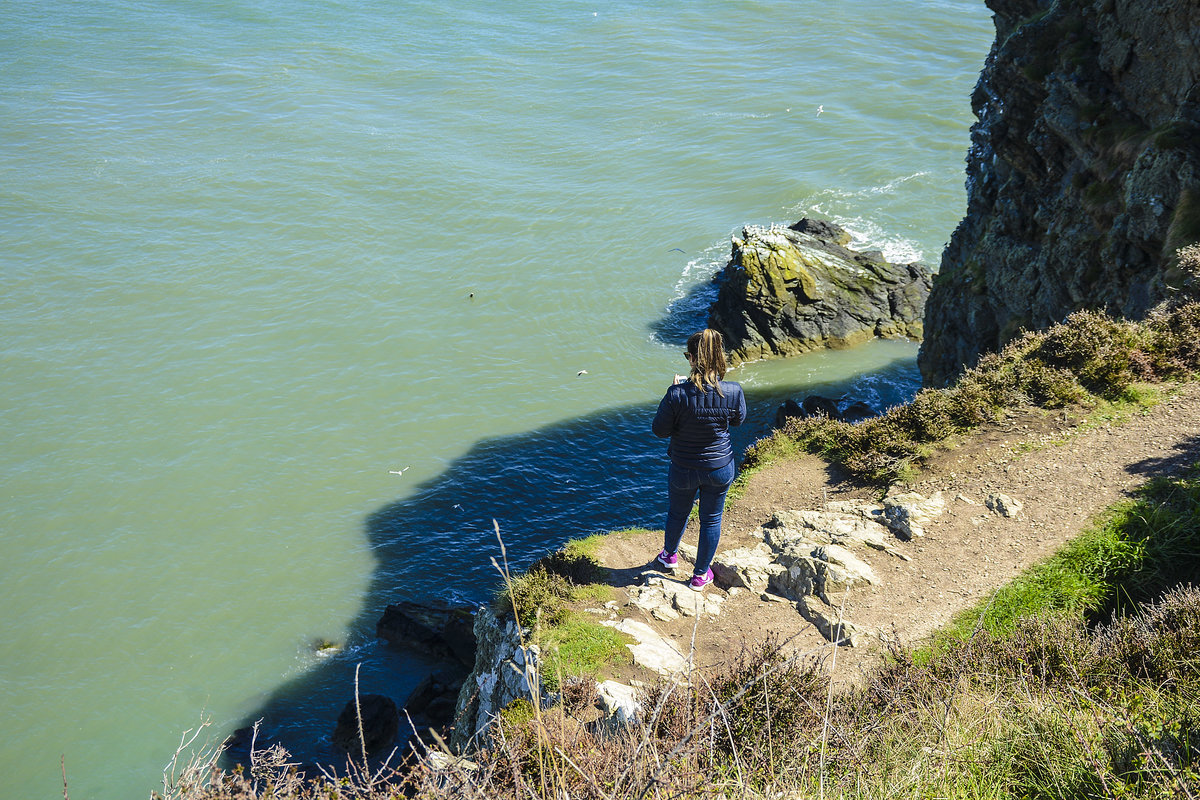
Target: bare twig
362 737
737 696
837 637
196 766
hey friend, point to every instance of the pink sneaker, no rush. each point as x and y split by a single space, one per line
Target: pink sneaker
668 561
698 582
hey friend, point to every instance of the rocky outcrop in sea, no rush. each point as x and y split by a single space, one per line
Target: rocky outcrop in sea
1083 177
788 290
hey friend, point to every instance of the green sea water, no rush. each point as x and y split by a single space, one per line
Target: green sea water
259 256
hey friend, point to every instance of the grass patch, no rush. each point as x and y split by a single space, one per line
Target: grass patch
1135 551
572 642
579 647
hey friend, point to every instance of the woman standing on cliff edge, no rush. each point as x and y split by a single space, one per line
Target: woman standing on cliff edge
696 414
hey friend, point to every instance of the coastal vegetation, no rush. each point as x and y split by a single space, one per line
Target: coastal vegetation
540 598
1090 361
1033 699
1078 678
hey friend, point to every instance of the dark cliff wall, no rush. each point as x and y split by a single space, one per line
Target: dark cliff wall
1083 177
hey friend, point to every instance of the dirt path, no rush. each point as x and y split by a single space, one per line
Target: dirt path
1063 473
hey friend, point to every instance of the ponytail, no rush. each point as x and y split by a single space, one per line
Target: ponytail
707 350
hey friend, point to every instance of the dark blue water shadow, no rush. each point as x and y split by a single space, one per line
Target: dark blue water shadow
600 472
686 314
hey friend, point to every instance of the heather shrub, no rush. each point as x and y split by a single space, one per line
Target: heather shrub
992 378
929 417
971 405
1095 348
1174 347
1090 356
755 718
879 449
1043 385
1159 642
537 595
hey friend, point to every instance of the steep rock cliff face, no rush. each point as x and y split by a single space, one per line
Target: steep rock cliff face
1083 177
506 669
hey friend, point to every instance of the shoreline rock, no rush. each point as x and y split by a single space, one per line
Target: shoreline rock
817 406
440 631
790 290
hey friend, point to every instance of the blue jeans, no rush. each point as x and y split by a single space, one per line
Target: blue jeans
682 486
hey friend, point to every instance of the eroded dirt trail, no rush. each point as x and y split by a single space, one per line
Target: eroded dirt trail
1062 473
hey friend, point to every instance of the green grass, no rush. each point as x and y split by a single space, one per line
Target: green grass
1136 550
546 597
579 647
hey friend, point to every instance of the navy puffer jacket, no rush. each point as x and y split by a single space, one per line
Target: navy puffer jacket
698 423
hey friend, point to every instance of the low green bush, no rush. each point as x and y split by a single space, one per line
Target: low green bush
537 596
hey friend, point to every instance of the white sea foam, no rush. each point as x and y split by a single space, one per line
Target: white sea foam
852 209
736 115
890 186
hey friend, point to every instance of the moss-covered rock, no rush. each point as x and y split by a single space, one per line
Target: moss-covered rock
790 290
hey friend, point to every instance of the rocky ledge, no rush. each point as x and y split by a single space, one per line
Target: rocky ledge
788 290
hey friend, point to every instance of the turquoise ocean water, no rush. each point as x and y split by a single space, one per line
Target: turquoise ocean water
239 244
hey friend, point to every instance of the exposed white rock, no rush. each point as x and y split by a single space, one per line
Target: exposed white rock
846 525
1004 505
651 649
820 569
666 598
506 668
798 579
827 620
746 567
842 571
619 702
449 774
908 513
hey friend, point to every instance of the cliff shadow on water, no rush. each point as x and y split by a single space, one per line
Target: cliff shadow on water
595 473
